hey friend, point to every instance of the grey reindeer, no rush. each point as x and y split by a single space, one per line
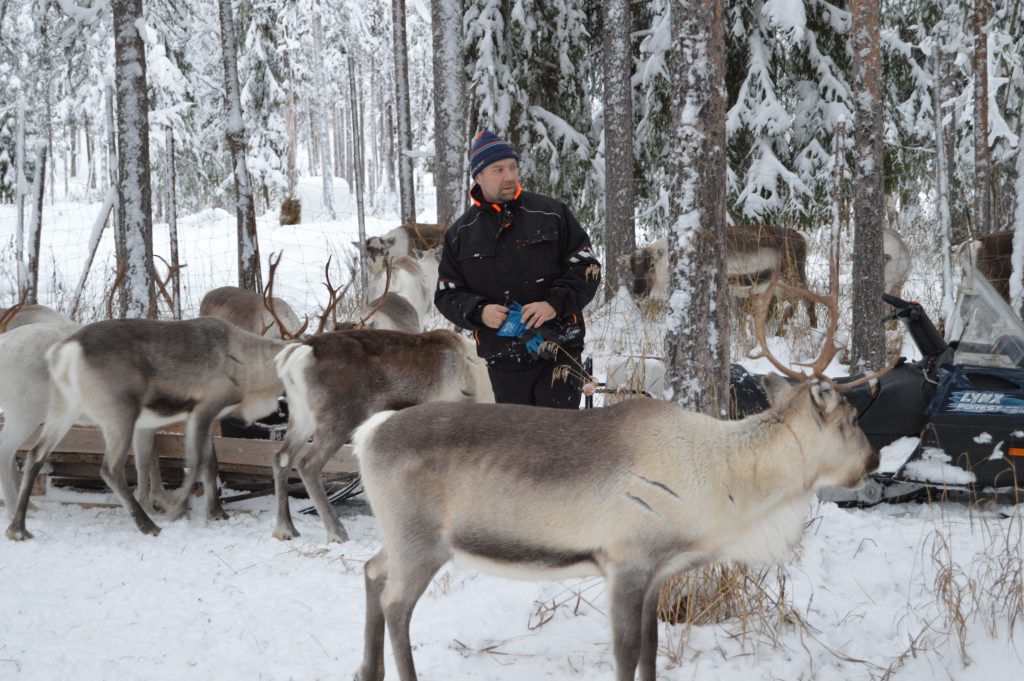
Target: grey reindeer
636 493
132 375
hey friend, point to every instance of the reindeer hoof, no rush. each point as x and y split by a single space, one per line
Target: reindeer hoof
177 511
285 533
217 513
151 530
18 533
340 537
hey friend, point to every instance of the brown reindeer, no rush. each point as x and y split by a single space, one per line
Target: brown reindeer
336 381
753 253
991 254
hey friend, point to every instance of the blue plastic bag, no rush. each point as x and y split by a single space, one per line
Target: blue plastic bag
513 326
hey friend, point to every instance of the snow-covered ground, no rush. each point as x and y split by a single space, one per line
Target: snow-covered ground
91 598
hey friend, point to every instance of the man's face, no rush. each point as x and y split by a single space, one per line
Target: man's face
498 181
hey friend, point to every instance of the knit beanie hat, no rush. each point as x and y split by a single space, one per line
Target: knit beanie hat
486 149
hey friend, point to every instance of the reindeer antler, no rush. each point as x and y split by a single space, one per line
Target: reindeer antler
829 347
162 285
268 302
387 286
333 295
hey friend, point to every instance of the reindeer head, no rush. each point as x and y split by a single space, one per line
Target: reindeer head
828 425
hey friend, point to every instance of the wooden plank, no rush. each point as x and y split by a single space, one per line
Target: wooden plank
85 445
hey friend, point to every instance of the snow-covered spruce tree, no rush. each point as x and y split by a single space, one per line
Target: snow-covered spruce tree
261 70
619 229
133 158
528 70
868 342
450 143
653 128
245 210
697 343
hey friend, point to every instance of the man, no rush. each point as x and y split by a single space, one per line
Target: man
513 248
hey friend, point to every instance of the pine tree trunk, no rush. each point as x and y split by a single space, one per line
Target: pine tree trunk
942 198
406 189
336 128
117 217
35 228
73 148
314 149
249 276
290 117
172 225
619 226
357 158
697 345
20 189
449 109
1017 258
320 105
868 346
90 156
389 142
982 165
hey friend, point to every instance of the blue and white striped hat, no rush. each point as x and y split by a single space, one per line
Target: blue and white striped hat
486 149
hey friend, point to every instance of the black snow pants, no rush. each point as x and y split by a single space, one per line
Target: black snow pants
541 383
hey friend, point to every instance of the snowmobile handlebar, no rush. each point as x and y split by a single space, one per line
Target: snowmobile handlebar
898 303
927 338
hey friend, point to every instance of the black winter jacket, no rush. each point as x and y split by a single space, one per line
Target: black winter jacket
526 250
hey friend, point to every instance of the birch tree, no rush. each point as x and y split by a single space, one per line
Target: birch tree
619 226
698 321
450 139
406 189
133 159
245 210
35 228
868 343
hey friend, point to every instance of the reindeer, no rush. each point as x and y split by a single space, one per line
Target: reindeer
753 254
992 255
132 375
20 315
636 493
24 392
406 239
337 380
264 316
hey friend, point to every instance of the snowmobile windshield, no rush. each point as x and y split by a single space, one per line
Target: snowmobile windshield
986 329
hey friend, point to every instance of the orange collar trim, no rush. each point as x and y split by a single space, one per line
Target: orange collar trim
495 206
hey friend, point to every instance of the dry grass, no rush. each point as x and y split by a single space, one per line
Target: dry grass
753 604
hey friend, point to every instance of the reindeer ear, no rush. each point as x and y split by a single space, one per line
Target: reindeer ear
775 387
825 397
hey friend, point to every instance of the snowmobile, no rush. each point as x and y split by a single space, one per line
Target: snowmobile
963 399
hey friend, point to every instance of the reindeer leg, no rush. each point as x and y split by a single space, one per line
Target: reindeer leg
142 448
375 575
311 470
214 509
409 571
198 431
629 586
59 422
16 431
281 462
118 437
649 633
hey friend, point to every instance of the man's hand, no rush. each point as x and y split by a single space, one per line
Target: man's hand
536 314
493 316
